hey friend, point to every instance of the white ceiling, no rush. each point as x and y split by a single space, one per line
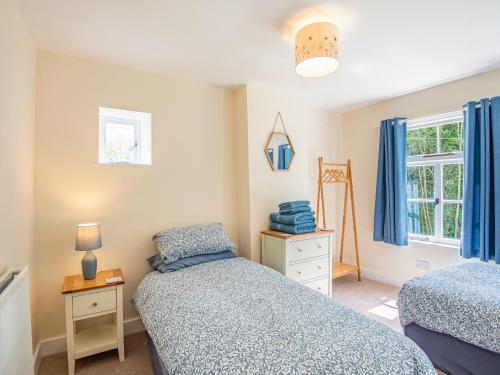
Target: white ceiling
388 47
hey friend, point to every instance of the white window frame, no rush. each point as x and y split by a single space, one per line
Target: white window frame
141 121
437 161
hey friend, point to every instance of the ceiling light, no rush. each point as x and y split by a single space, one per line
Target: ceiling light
317 50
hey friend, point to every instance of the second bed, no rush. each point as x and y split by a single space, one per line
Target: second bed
454 316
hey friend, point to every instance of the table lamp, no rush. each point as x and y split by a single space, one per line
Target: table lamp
88 238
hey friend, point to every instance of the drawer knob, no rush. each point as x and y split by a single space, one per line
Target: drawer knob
298 272
319 246
319 288
94 304
319 267
299 249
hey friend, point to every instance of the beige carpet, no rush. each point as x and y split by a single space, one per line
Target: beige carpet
365 295
136 361
360 296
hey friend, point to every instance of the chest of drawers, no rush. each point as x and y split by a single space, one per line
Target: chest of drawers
305 258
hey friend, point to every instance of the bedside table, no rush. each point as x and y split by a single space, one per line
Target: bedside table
86 299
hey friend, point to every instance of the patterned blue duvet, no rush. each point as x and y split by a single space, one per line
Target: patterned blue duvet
234 316
462 300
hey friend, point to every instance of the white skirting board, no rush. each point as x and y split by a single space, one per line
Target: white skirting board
58 344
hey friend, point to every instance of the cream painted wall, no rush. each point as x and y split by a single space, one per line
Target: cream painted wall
243 185
361 139
192 178
17 106
313 132
324 138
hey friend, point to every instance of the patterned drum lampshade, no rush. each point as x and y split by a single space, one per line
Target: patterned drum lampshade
317 50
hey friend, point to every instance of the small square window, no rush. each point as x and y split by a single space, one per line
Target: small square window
124 136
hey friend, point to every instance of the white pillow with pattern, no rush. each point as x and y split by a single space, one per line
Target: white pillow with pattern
182 242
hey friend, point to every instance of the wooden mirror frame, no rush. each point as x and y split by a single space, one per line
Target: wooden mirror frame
266 147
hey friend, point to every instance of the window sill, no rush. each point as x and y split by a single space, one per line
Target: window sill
430 243
121 164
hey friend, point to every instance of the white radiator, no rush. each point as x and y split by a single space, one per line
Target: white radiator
16 355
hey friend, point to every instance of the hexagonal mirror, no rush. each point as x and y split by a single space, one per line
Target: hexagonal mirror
279 149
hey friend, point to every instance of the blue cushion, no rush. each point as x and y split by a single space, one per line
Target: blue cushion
159 265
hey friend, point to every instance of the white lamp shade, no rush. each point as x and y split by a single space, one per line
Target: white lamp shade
317 50
88 237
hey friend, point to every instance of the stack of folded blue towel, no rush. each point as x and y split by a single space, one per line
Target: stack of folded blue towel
294 217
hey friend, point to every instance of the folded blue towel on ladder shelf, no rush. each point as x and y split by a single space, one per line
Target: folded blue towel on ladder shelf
295 210
298 218
293 204
294 229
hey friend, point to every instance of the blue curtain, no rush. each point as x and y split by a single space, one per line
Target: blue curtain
270 153
481 211
284 156
390 218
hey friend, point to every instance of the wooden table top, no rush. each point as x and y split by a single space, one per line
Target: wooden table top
275 233
76 283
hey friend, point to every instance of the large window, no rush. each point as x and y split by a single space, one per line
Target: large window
124 136
435 178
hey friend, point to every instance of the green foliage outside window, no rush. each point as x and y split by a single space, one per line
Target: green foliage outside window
452 220
442 139
420 181
451 137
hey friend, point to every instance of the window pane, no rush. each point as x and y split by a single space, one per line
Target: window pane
451 137
453 181
422 141
120 143
452 220
420 181
421 218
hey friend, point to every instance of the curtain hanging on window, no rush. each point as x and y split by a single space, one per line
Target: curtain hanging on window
481 212
390 218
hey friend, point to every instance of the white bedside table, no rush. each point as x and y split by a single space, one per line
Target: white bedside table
87 299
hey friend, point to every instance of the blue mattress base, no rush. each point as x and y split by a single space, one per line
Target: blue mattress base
156 363
453 356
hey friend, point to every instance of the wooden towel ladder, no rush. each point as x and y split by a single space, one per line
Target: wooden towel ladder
331 173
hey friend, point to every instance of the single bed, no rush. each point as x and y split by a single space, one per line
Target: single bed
453 314
235 316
